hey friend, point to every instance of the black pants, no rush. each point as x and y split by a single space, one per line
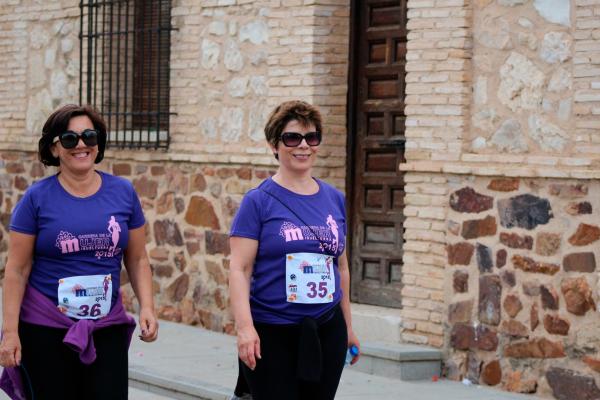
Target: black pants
275 374
51 370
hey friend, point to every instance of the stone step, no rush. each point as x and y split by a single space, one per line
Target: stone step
406 362
376 324
379 330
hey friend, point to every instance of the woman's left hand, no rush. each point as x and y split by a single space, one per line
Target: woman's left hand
353 341
148 325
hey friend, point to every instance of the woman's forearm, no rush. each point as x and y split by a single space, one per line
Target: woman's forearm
239 292
12 296
140 276
16 275
345 302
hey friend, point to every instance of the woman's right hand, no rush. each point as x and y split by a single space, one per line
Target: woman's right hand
10 350
248 344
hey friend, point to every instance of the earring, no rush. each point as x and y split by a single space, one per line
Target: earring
276 156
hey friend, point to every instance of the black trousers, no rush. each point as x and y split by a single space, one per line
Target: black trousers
51 370
275 375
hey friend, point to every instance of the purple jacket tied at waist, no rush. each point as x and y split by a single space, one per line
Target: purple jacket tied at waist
38 309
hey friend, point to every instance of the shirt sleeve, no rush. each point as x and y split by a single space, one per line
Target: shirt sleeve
24 217
137 215
343 207
247 220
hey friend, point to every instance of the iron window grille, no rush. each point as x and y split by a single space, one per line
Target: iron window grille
125 48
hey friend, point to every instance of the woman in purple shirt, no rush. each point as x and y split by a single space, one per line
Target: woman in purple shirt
65 331
289 279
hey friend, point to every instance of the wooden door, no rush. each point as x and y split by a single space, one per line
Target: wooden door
377 148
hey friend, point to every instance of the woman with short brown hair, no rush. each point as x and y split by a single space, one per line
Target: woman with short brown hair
289 279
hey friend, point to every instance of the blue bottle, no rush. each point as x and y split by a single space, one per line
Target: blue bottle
350 354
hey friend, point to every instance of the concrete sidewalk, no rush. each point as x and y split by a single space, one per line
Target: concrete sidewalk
189 362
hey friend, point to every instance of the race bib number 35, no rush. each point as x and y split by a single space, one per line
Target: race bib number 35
85 296
309 278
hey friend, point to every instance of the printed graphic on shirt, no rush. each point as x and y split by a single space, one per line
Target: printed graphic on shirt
85 297
328 235
309 278
104 244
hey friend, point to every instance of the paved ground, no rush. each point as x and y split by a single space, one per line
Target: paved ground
193 360
192 363
134 394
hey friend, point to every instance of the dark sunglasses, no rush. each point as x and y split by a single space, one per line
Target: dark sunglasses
293 139
69 139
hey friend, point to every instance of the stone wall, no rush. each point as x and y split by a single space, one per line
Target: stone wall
188 208
523 284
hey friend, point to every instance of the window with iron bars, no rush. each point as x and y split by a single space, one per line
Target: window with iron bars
125 48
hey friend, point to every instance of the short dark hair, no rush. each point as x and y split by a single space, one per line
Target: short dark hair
287 111
58 122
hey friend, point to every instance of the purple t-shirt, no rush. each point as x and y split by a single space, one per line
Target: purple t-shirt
77 236
279 233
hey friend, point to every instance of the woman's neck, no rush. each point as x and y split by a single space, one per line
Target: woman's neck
297 183
80 185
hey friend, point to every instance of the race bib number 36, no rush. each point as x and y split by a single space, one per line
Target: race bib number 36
309 278
85 297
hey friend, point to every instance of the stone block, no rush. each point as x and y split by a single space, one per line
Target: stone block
513 328
516 241
509 278
122 169
579 262
529 265
593 363
535 348
549 296
490 293
200 212
479 227
534 318
462 336
146 187
585 235
524 211
547 244
581 208
376 324
217 243
567 384
491 373
578 295
460 281
467 200
177 290
516 383
556 325
167 231
512 305
460 311
501 258
484 258
504 184
474 367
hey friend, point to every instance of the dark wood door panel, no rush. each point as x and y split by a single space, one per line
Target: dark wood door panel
378 149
